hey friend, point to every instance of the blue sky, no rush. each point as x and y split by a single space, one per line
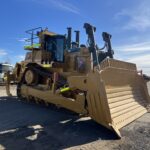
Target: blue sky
128 22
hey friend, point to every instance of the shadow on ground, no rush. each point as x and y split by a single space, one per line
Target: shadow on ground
40 127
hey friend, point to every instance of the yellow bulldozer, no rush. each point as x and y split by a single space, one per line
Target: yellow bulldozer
85 79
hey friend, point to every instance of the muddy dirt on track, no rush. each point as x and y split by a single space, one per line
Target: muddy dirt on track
28 126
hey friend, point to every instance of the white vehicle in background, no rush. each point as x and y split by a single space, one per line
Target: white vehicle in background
3 69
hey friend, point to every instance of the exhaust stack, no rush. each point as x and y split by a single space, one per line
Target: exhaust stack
77 37
69 37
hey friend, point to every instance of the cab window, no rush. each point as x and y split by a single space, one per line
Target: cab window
55 45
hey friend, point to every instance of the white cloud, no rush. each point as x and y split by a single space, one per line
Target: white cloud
4 56
3 52
20 57
63 5
136 48
142 62
59 4
138 53
22 39
137 17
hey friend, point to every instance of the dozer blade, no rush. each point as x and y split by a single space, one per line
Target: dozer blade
117 95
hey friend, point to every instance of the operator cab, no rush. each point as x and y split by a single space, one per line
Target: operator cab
46 46
55 45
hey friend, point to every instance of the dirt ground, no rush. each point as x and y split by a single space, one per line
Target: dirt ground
28 126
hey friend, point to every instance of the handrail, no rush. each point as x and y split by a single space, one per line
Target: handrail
28 31
33 35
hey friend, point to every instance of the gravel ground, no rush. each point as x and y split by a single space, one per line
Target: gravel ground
25 126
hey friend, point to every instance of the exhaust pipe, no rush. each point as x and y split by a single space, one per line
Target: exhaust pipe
69 37
77 37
